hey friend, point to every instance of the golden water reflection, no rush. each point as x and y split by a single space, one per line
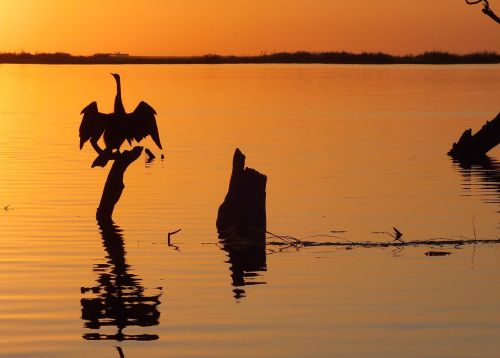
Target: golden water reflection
118 300
481 178
346 148
247 262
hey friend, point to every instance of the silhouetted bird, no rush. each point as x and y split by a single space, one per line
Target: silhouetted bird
117 127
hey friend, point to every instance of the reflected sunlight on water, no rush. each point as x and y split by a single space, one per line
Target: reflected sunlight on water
345 148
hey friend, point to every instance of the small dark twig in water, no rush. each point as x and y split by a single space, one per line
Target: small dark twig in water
287 239
149 155
6 208
396 252
397 234
475 238
474 226
120 351
437 253
168 239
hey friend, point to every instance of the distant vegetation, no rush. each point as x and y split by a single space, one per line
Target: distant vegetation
435 57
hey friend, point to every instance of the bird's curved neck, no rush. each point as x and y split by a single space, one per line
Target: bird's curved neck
118 99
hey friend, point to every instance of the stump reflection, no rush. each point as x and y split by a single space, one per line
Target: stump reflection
247 259
483 175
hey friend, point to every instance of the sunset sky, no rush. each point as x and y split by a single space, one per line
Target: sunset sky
194 27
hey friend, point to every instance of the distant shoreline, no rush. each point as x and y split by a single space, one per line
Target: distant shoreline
427 58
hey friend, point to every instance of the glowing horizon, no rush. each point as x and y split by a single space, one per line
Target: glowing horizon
190 28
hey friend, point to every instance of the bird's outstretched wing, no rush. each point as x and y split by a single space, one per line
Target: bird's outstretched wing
93 123
141 123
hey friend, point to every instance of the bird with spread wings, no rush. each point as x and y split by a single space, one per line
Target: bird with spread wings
117 127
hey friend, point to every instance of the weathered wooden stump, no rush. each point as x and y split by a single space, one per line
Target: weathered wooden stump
114 183
476 146
243 212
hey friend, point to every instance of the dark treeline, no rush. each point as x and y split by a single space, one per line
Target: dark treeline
435 57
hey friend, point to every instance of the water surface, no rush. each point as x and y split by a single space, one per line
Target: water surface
358 149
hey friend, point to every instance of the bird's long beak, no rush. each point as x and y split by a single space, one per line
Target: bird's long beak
81 143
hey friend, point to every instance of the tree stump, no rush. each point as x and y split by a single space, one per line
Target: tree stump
476 146
243 211
114 185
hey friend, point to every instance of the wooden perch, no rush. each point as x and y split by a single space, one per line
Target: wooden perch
243 211
114 183
476 146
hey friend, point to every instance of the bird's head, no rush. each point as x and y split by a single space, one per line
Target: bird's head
116 76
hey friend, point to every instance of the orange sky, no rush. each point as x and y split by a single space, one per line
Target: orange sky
192 27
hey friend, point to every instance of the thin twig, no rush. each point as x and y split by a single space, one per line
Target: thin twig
475 237
368 244
474 226
287 239
168 239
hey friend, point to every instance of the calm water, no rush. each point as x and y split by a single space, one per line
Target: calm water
345 148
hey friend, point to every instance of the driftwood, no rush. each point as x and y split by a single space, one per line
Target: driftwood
114 183
243 212
288 241
476 146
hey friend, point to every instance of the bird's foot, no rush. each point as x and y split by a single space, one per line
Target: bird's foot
103 158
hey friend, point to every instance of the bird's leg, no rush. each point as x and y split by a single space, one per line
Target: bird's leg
96 146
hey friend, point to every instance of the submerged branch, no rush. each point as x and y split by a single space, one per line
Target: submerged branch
286 241
370 244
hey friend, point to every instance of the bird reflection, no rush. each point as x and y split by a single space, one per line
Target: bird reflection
118 300
247 258
484 175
